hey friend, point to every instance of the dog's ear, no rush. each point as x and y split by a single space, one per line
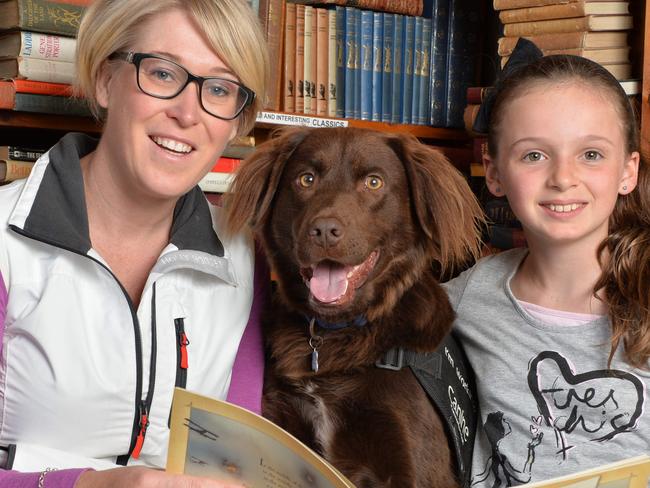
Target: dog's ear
444 205
256 181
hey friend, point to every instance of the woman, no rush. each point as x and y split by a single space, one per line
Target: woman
119 284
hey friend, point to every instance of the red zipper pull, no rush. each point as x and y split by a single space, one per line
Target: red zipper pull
144 423
184 343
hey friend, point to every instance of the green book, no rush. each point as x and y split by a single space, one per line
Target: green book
41 16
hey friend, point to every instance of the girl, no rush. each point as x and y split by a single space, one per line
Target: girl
559 332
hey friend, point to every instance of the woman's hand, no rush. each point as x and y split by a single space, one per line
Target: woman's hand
140 477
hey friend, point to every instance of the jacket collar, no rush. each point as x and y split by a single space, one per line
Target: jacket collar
52 206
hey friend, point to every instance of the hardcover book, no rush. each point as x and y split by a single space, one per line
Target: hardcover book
512 4
341 61
37 45
577 24
425 73
350 60
12 170
366 64
377 64
40 87
308 82
48 104
357 64
408 45
273 20
398 54
417 70
19 153
300 59
47 16
322 61
38 69
216 439
289 78
387 72
616 55
439 13
563 11
567 40
332 70
406 7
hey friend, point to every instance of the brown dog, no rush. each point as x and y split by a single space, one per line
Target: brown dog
355 224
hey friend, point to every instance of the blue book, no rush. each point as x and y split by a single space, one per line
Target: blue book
366 64
357 65
398 53
425 73
407 69
463 45
350 45
387 75
377 66
439 12
340 62
417 69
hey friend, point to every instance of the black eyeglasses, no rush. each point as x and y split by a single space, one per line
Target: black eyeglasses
162 78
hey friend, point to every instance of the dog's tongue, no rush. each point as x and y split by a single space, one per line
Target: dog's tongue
329 282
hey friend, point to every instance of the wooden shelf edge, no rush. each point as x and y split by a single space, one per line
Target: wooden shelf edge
63 123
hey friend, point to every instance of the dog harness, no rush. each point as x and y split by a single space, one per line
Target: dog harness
448 381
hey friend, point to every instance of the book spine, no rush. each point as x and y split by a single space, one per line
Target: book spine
331 64
567 40
341 60
357 64
275 43
387 72
417 69
407 69
289 83
350 42
322 62
439 49
47 46
20 153
49 17
377 65
404 7
46 70
216 182
425 74
29 102
511 4
14 170
226 165
42 87
398 54
300 59
308 81
367 21
546 27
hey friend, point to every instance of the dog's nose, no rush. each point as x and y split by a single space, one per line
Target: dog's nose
326 232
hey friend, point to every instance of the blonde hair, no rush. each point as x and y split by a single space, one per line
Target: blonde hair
230 27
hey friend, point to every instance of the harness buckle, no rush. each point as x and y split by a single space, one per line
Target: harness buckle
392 359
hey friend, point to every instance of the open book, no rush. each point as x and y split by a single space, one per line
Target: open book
219 440
628 473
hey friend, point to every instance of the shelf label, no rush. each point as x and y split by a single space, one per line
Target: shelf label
301 120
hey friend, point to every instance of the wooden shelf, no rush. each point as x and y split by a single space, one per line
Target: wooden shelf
63 123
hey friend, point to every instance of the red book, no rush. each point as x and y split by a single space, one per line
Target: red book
225 165
39 87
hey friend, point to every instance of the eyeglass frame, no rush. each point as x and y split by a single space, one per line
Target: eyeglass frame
135 59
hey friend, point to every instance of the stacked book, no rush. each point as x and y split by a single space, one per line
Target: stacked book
218 179
37 49
16 162
594 29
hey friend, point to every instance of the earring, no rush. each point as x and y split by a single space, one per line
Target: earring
498 189
624 187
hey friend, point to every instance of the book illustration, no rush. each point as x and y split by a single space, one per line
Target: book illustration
216 439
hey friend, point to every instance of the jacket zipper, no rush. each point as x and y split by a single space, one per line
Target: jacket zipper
182 362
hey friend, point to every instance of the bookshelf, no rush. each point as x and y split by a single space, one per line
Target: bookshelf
23 128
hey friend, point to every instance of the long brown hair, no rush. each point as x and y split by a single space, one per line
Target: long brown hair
625 254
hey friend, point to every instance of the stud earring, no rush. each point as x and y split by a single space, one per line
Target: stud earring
498 189
624 187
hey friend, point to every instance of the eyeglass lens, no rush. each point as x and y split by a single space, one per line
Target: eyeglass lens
162 78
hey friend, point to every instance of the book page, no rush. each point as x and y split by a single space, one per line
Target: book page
216 439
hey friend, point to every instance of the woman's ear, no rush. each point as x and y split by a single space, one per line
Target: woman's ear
492 178
102 89
630 175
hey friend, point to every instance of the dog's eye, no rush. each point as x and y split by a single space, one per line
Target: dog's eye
374 182
306 180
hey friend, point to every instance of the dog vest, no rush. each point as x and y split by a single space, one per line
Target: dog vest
447 379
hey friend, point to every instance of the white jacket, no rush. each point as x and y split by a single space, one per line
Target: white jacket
78 361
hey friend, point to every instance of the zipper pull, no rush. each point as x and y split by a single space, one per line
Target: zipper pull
144 423
183 342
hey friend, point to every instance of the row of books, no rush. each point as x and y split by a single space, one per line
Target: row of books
594 29
349 62
37 48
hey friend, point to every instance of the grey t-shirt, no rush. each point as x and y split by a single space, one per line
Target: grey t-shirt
549 404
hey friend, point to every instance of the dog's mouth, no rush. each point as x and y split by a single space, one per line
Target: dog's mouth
333 283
